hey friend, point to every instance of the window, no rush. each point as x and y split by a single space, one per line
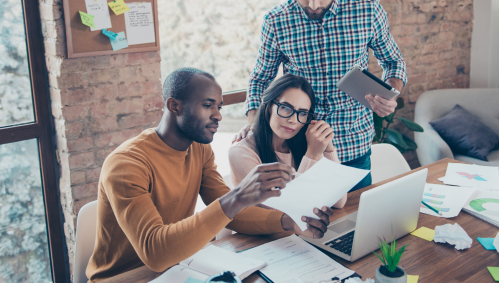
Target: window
31 238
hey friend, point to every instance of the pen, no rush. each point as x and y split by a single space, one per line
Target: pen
427 205
264 277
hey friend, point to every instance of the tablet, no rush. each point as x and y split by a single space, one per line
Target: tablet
359 82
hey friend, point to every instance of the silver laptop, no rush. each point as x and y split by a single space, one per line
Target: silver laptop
394 205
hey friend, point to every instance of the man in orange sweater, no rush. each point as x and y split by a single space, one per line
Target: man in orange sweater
149 186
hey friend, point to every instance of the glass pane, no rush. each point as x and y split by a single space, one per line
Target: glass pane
221 37
16 103
24 254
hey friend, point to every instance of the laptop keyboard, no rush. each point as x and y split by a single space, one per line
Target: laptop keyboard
343 243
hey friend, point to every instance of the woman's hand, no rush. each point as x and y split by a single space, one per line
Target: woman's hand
319 138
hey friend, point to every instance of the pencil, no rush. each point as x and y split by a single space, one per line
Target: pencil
427 205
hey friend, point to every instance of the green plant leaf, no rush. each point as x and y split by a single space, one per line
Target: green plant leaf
398 147
389 118
411 125
377 131
395 137
378 121
400 103
411 144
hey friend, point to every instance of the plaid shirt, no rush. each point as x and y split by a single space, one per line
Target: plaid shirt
323 52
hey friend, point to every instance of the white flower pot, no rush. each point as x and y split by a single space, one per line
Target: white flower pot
380 278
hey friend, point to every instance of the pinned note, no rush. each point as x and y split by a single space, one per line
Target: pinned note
412 278
87 19
487 243
100 11
139 23
424 233
109 34
494 271
118 6
120 41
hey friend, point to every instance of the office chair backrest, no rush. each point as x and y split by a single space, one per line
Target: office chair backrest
86 227
386 162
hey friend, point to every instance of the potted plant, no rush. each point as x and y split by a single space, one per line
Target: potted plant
390 272
392 136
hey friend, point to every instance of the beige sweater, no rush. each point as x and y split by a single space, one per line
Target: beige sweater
146 200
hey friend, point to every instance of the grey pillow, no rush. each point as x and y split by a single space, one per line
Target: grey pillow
466 134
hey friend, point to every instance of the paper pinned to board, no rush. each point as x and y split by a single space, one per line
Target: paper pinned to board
448 200
321 185
139 22
87 19
109 33
118 6
120 41
100 11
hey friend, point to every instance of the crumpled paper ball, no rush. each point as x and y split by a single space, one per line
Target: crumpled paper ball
496 242
358 280
454 235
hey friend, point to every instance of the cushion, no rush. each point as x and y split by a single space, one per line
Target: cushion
466 134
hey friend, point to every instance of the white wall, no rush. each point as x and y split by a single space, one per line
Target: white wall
484 69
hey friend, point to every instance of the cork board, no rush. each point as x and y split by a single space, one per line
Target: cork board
82 42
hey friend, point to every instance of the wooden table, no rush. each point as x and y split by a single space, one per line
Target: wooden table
431 261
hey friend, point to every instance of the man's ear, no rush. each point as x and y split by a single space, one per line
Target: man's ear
174 106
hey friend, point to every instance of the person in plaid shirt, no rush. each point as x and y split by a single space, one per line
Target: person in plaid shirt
321 40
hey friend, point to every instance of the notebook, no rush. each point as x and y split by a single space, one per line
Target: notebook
211 261
484 205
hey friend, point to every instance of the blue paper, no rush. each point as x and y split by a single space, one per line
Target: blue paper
120 41
192 280
109 33
487 243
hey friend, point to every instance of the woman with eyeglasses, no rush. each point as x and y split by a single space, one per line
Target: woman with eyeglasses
285 131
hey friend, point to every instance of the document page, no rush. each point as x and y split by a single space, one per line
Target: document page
179 274
447 200
291 259
471 175
321 185
100 11
139 22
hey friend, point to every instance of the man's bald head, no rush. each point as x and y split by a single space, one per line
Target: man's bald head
177 84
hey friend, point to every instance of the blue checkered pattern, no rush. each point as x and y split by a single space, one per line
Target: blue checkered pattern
323 52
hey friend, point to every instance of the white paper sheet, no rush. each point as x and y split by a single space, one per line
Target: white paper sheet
321 185
139 23
100 11
446 199
179 274
291 259
467 175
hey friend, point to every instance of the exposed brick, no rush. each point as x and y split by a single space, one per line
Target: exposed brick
74 130
72 113
77 177
85 191
93 174
129 89
153 103
81 160
103 153
107 124
116 138
151 87
151 72
105 92
80 203
80 144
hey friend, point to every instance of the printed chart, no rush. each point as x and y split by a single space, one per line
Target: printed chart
447 200
470 175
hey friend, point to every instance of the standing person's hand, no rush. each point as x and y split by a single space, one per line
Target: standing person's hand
319 136
256 187
243 133
316 227
381 106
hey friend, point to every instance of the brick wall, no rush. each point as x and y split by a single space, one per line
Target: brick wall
97 103
435 40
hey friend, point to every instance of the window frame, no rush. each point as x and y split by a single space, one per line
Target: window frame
42 130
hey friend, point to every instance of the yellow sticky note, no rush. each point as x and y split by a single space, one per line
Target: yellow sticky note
87 19
118 6
424 233
412 278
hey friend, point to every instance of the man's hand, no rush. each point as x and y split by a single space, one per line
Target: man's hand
316 228
256 187
242 133
381 106
384 107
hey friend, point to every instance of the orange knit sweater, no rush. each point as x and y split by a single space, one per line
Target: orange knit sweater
147 195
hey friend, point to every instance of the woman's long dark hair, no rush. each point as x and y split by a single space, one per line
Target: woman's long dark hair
263 133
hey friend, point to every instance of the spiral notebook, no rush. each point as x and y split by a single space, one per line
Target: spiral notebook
484 205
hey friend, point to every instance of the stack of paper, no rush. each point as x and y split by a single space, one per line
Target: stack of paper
467 175
291 259
208 262
447 200
322 185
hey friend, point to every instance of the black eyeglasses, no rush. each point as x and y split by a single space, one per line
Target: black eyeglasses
285 111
